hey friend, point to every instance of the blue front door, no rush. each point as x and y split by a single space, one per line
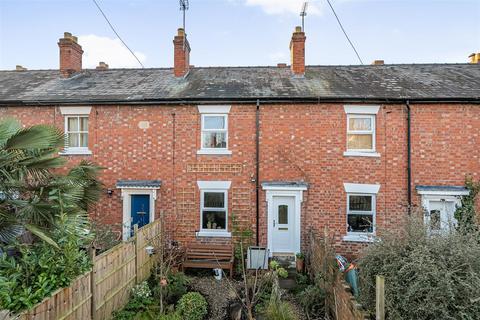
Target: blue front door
140 209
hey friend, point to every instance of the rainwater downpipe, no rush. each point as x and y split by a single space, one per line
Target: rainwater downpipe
257 171
409 157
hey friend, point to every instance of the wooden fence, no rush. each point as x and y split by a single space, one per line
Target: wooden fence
98 293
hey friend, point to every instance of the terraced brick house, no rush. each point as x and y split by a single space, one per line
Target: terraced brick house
283 149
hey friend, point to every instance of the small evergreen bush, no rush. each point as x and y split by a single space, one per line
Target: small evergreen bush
426 276
280 310
192 306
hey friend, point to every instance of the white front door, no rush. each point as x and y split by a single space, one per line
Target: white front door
440 215
283 228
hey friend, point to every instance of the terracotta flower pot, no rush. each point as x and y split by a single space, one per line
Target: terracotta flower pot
300 264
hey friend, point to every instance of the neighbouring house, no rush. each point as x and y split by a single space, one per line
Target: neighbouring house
284 149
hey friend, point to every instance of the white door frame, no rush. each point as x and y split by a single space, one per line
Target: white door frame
126 196
289 191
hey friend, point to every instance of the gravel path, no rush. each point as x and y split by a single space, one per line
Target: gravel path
217 293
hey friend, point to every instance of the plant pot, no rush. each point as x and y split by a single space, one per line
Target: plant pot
174 269
300 265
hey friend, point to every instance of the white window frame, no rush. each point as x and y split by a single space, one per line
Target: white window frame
220 187
218 111
76 112
361 112
355 189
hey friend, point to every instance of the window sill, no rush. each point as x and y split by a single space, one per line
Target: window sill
74 152
361 154
219 234
359 238
214 152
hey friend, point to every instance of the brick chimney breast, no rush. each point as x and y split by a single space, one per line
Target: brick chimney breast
181 59
297 52
70 55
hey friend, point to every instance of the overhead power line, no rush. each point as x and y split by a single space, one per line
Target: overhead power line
116 33
344 32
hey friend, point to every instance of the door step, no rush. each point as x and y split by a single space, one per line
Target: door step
286 260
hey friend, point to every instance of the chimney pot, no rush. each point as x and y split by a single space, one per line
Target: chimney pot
181 58
378 62
70 55
297 52
474 57
20 68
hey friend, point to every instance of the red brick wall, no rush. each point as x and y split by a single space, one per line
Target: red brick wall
298 142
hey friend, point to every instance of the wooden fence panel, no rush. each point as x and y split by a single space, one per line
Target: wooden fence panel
114 275
98 293
149 235
65 304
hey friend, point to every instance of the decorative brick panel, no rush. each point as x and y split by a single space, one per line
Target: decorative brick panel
209 167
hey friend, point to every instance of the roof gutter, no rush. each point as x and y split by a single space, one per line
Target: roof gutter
252 100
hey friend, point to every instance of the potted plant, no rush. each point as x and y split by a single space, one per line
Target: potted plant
300 261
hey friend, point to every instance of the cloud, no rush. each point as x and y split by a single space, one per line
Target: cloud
278 57
109 50
282 7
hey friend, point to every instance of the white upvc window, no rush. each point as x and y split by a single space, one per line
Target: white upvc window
360 214
76 130
361 134
214 130
361 211
214 208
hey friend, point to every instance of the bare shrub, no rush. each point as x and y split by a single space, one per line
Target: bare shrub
427 276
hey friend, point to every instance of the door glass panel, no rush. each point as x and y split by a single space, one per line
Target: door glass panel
283 214
435 220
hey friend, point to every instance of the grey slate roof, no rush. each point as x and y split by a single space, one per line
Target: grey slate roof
139 184
393 82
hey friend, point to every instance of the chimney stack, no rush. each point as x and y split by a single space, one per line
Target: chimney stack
297 52
70 55
181 54
378 63
474 57
20 68
102 66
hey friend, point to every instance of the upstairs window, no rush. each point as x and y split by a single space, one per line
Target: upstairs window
361 132
214 130
76 130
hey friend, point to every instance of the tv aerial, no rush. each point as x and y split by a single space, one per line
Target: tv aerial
303 13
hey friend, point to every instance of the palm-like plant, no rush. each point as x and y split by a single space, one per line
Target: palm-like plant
35 198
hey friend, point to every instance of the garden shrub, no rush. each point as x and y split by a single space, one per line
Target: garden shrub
192 306
176 287
312 300
280 310
426 276
40 270
140 301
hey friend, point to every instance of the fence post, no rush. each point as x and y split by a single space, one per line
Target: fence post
380 297
135 235
92 284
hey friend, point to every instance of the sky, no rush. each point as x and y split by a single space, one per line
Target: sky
239 32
